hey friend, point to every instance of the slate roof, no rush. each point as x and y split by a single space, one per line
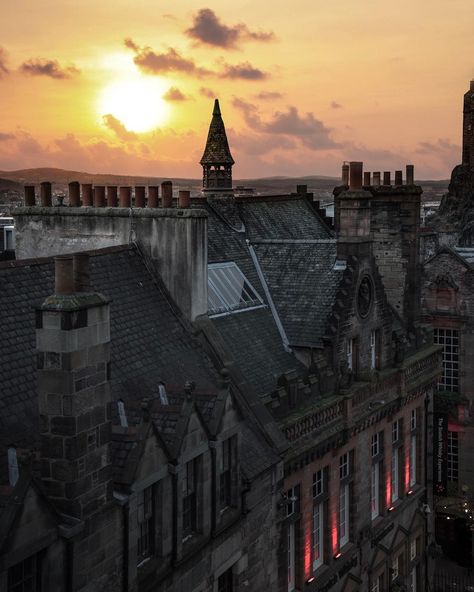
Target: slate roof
303 285
466 253
149 342
257 456
217 149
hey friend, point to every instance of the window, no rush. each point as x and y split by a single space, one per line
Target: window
226 473
229 290
13 472
291 557
291 500
413 579
413 549
375 444
394 476
453 456
343 515
9 238
145 524
318 483
189 498
225 582
375 349
351 354
449 339
396 431
413 439
344 465
395 567
318 530
25 576
414 419
375 491
122 413
377 584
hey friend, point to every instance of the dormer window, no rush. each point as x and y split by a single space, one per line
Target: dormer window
228 290
189 498
122 413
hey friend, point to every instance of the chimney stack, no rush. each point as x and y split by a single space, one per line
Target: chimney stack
167 194
410 174
398 178
125 197
140 196
345 174
355 175
63 275
29 196
112 196
74 194
99 196
153 196
376 179
46 194
184 199
386 178
301 190
366 179
86 194
80 265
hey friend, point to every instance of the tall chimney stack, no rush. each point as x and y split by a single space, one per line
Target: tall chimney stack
167 194
376 177
386 178
184 199
345 174
366 179
139 196
125 197
398 178
74 194
410 174
112 196
99 196
46 194
86 194
355 176
30 199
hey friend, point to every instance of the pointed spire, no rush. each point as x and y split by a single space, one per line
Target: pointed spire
217 151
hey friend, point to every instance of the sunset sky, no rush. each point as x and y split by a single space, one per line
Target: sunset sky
127 86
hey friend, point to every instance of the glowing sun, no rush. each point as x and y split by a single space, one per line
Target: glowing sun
137 102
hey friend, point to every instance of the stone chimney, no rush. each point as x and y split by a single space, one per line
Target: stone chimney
73 344
352 212
468 127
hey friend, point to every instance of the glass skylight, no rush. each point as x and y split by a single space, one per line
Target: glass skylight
228 290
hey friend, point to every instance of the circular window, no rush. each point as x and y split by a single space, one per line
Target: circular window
364 296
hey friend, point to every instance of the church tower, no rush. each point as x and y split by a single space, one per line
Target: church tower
468 128
217 160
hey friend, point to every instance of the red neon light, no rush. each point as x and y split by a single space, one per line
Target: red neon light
337 555
307 552
407 469
334 537
388 489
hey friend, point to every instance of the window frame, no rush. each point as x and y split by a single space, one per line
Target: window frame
145 524
453 457
221 298
35 577
375 490
450 340
394 475
189 499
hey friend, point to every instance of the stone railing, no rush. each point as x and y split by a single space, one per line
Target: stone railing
422 368
312 421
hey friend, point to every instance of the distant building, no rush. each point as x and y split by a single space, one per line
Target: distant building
468 127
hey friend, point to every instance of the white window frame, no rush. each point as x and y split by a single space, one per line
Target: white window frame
413 460
318 536
344 468
450 340
373 349
343 530
413 552
413 419
395 567
227 295
375 444
122 413
349 353
375 491
318 483
395 430
413 579
9 230
453 456
394 475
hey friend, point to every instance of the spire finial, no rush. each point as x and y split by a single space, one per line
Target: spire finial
217 109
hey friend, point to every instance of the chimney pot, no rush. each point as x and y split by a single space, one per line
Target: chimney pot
345 174
81 272
46 194
125 197
184 199
367 179
301 189
471 85
29 196
376 179
63 275
167 194
398 178
355 175
153 193
410 174
86 194
112 196
99 196
74 194
140 196
386 178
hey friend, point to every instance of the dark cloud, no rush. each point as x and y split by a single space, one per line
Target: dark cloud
244 71
174 94
335 105
50 68
209 29
268 95
438 147
311 132
4 137
3 62
158 63
207 92
118 128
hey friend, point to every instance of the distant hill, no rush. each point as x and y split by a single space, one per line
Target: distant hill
321 185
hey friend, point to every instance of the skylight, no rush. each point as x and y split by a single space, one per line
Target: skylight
228 290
